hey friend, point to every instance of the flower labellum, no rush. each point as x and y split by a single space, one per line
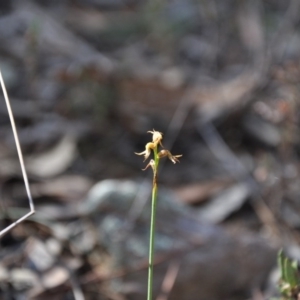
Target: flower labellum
173 158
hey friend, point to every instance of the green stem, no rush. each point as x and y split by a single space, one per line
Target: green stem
152 227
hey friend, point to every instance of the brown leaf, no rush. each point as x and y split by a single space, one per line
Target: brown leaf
67 187
55 161
199 192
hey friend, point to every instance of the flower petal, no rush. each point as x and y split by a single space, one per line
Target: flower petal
156 137
151 164
173 158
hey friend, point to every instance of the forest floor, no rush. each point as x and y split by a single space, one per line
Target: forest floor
87 79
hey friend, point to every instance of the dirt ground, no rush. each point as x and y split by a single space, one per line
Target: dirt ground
87 79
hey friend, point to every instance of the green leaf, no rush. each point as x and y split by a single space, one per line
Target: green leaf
280 259
295 265
290 273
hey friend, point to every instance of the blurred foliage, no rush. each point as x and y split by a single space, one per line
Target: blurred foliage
289 284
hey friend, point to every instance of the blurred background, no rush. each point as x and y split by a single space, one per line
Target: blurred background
87 79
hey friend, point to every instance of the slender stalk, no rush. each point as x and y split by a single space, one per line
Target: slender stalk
152 226
153 146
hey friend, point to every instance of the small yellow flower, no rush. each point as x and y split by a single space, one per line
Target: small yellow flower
147 151
156 137
173 158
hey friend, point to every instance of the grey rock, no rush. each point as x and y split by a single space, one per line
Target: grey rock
40 256
261 130
198 50
111 4
9 73
22 278
290 213
226 202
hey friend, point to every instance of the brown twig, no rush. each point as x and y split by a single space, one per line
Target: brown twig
169 280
